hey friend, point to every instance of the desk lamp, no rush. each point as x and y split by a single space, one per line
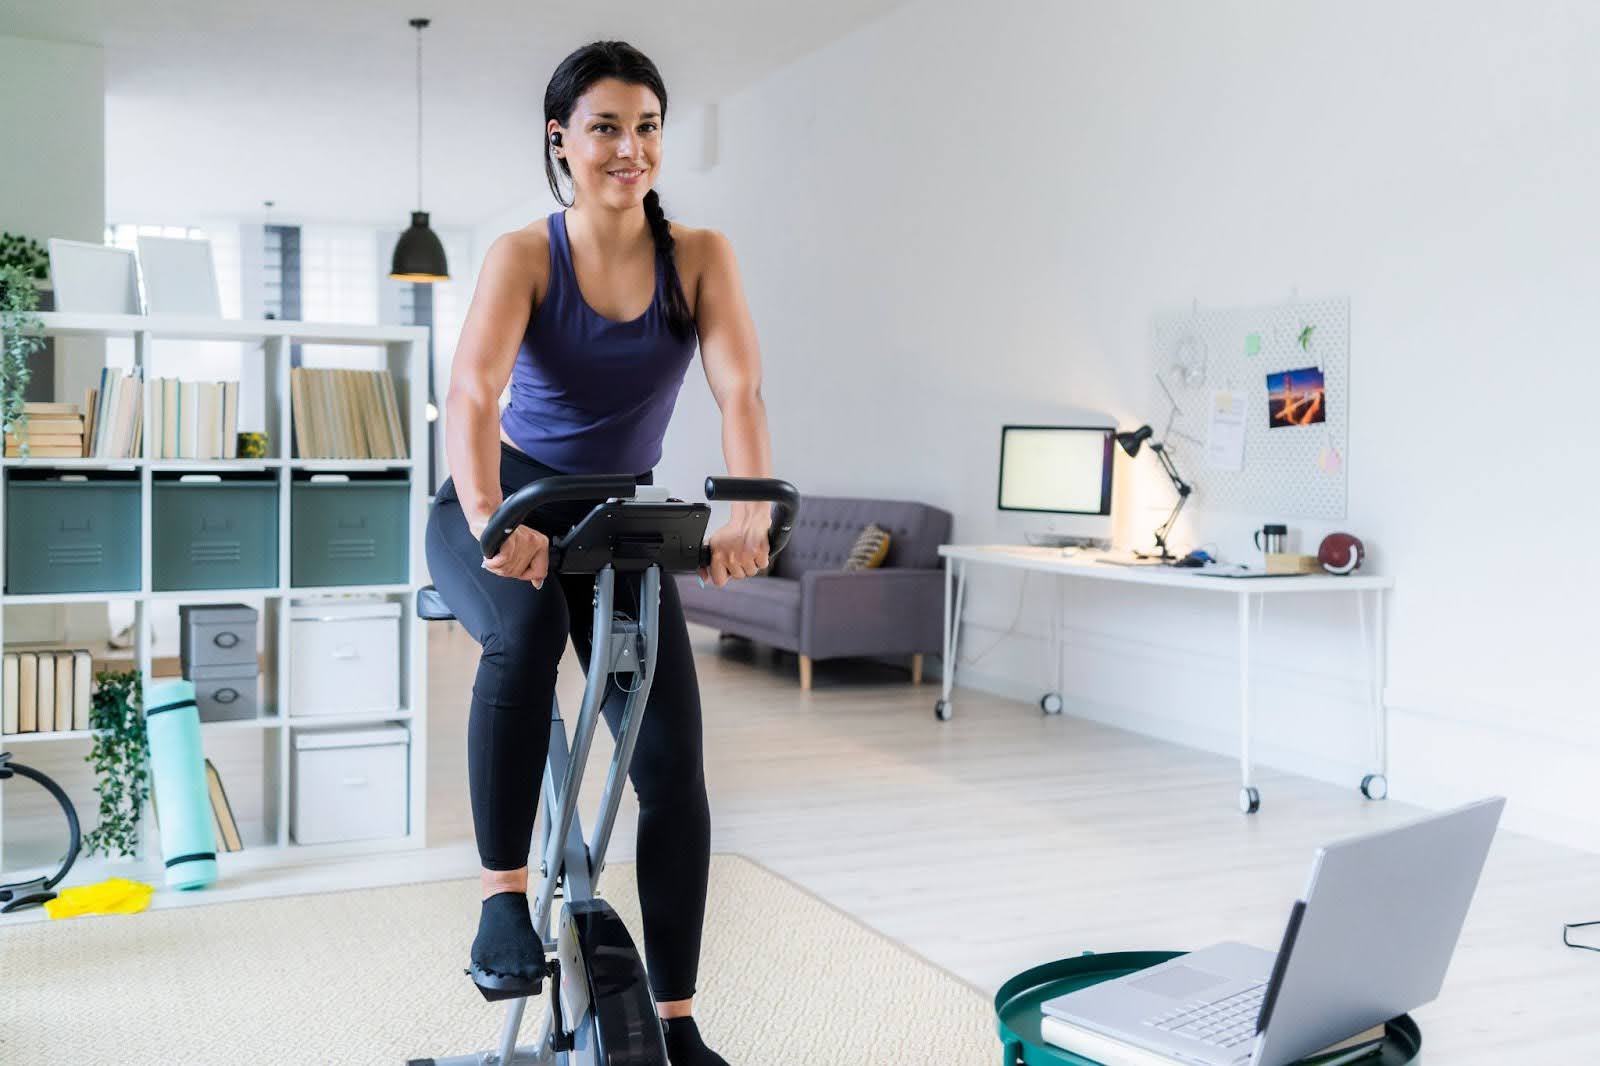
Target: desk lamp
1130 443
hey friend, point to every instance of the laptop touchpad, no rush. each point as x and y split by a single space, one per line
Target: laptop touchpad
1179 982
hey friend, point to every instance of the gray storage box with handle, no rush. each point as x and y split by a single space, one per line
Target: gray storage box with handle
224 635
224 694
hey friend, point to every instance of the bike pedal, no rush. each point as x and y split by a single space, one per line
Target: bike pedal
496 987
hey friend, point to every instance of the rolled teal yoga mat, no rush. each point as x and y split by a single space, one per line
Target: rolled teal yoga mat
178 779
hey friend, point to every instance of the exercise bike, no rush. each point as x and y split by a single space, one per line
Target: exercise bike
601 1012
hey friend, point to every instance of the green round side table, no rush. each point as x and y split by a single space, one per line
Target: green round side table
1017 1009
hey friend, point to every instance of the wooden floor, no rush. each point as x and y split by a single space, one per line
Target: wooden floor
1005 838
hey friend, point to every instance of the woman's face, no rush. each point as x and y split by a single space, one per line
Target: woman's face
612 142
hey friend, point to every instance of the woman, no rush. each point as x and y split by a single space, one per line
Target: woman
592 315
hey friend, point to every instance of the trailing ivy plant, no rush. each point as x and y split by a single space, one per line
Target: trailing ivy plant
19 340
121 758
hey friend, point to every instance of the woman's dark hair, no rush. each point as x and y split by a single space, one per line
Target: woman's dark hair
573 78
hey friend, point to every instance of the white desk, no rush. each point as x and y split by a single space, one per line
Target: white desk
1246 591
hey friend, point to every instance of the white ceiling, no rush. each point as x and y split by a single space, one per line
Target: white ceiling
213 106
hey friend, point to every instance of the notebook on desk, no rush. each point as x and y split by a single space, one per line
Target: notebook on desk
1240 570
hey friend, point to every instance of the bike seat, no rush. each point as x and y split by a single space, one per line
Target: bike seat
431 606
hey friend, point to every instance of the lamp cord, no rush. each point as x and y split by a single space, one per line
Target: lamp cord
419 117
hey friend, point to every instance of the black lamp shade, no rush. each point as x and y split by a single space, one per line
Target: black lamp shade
1130 441
418 255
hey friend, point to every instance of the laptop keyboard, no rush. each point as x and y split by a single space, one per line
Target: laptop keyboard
1225 1023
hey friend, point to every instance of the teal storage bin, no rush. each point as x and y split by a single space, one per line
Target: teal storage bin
71 536
354 532
214 535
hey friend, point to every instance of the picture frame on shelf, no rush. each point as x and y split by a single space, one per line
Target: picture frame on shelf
95 278
180 276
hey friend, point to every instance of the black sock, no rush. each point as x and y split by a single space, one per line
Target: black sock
505 944
684 1046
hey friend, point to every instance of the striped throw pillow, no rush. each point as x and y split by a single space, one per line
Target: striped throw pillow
870 549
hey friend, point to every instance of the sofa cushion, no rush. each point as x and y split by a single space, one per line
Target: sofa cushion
870 549
771 603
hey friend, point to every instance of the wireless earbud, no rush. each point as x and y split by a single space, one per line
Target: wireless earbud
555 139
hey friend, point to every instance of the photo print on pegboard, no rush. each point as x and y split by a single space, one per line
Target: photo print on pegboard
1296 398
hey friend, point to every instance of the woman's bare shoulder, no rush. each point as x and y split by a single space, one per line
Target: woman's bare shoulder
525 253
697 251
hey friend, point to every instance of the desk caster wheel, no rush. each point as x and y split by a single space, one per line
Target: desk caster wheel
941 710
1249 800
1051 703
1375 787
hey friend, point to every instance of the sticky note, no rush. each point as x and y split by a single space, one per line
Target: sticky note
1252 344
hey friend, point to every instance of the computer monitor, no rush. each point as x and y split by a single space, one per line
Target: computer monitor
1063 475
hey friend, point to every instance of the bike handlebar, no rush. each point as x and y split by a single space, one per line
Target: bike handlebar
520 505
785 504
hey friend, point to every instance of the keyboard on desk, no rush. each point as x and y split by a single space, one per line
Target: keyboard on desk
1226 1023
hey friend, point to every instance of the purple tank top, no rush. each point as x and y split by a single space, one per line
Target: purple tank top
590 395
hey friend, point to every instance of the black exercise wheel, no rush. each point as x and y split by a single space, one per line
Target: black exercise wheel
19 895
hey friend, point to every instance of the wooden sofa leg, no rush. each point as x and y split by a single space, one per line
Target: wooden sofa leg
805 673
916 669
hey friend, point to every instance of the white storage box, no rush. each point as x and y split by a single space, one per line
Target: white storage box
349 783
344 658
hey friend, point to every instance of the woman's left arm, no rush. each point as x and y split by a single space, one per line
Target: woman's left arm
732 361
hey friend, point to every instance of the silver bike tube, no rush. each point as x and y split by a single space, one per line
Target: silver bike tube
632 720
593 695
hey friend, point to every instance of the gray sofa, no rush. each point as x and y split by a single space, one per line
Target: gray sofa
811 605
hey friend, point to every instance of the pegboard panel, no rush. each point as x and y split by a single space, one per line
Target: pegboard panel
1295 471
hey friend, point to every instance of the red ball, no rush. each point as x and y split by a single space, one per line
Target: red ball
1341 553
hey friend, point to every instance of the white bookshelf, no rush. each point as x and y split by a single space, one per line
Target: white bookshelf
404 355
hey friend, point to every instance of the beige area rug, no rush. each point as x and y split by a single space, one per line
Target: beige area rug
374 976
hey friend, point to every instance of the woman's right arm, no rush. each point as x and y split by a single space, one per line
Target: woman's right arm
485 355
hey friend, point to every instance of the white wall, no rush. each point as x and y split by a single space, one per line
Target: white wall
52 184
961 216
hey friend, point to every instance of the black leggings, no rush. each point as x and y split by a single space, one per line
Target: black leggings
523 631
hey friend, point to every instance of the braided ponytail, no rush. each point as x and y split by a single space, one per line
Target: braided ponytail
679 320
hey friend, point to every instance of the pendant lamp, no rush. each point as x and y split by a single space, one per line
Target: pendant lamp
418 255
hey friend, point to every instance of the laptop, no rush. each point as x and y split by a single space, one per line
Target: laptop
1371 940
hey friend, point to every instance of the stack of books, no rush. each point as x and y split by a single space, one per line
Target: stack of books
55 431
194 419
46 691
346 414
116 415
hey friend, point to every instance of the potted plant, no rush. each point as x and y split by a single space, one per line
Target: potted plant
121 758
19 340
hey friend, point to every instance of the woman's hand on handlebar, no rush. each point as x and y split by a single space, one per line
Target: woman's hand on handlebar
525 556
739 549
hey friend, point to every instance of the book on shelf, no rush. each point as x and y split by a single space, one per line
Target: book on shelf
44 707
27 692
82 688
1109 1051
345 414
10 694
222 812
63 694
195 419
